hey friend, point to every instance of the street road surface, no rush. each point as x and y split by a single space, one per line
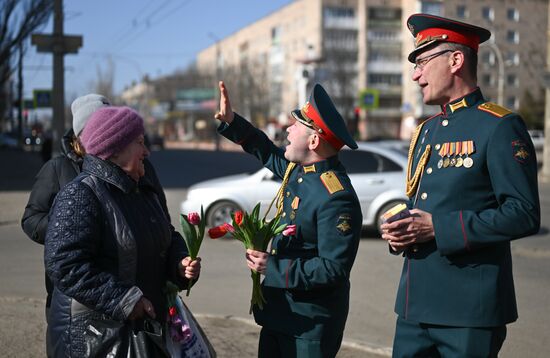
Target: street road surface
224 287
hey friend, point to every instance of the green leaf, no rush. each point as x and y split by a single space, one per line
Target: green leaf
202 227
256 212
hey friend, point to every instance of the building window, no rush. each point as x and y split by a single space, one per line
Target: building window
432 7
512 102
488 80
339 17
512 80
512 58
488 13
512 14
384 14
488 58
461 12
378 79
275 35
512 36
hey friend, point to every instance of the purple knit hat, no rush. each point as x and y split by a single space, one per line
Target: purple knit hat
110 129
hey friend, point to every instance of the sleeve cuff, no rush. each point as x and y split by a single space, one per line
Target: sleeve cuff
127 303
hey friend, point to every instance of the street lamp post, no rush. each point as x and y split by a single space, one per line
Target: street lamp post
500 60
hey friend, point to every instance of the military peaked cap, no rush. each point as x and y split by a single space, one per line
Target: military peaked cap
320 114
430 29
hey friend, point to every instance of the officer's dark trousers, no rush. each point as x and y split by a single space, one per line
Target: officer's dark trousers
413 339
276 345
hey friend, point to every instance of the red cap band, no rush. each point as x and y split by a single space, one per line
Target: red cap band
326 134
468 39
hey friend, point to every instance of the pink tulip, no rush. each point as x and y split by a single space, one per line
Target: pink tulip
290 230
194 218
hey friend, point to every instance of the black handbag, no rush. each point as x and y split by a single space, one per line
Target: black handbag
110 338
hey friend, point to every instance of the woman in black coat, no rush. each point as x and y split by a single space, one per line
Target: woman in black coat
109 248
59 171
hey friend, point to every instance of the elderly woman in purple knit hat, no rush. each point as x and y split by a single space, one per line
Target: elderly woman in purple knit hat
109 249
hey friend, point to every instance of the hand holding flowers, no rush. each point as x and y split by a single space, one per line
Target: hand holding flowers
257 260
255 233
190 268
193 231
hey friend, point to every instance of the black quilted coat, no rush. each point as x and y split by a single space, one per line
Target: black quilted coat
108 243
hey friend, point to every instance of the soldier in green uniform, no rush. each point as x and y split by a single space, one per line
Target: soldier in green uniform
306 283
472 183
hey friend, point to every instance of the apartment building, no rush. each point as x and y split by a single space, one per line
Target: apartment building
353 46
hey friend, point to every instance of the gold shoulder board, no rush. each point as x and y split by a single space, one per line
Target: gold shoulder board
331 182
494 109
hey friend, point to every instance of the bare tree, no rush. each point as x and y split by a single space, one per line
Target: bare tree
18 19
104 84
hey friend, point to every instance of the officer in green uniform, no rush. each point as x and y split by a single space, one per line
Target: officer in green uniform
472 183
307 273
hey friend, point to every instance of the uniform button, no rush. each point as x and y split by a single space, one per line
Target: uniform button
437 146
429 170
287 194
273 251
283 214
300 180
424 196
445 123
415 248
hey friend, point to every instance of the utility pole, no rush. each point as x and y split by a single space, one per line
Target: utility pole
545 175
20 96
218 78
59 45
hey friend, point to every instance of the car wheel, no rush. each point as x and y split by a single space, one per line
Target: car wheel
220 213
385 208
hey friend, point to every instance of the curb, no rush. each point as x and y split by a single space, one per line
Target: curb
360 346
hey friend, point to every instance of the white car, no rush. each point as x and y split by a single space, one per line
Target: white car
377 173
537 136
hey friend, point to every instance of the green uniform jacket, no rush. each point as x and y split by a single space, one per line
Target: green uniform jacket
306 284
464 277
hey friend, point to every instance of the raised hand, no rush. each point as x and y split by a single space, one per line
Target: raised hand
225 113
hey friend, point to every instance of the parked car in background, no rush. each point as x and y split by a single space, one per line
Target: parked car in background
7 141
537 136
377 173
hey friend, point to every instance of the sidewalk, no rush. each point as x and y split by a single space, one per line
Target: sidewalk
22 332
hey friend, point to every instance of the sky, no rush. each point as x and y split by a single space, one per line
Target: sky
139 37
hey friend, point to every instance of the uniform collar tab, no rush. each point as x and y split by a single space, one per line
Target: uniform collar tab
469 100
322 166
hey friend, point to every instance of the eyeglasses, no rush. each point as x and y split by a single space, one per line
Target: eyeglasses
419 63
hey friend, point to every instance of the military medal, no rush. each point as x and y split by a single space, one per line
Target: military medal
295 203
460 149
442 155
446 160
469 162
453 153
